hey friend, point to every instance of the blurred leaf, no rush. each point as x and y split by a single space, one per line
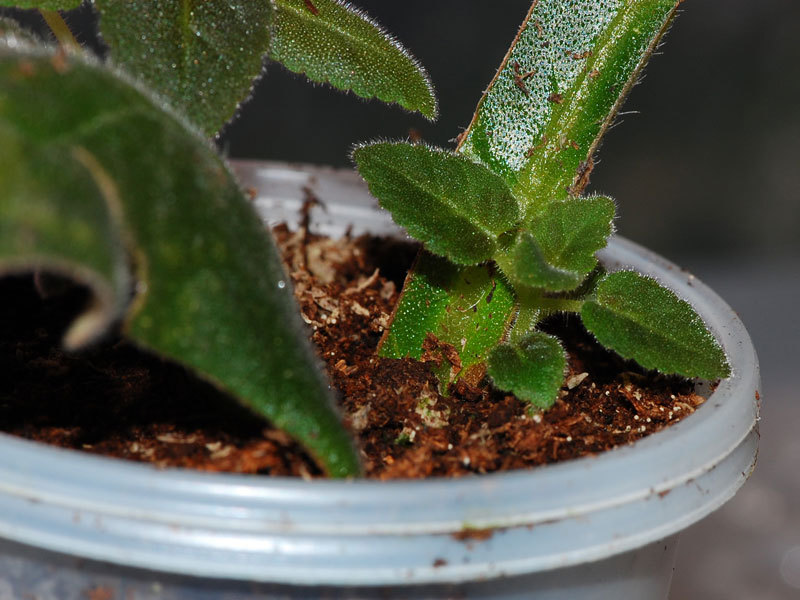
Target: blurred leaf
567 73
466 307
532 370
332 42
89 171
457 208
201 55
641 320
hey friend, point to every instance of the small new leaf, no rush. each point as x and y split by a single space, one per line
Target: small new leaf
457 208
533 370
558 251
201 55
641 320
331 42
525 265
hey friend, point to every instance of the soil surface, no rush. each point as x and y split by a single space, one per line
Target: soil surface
118 401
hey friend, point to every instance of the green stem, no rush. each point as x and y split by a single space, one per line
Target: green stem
533 307
60 29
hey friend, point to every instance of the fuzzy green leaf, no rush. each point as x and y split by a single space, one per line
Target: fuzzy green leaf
525 265
45 4
559 250
639 319
457 208
559 88
466 307
210 286
201 55
332 42
532 370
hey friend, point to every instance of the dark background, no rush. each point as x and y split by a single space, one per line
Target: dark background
707 172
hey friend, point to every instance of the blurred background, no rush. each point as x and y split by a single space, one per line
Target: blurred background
705 168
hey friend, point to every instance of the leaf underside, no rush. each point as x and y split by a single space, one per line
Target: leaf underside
457 208
332 42
202 56
78 186
639 319
533 370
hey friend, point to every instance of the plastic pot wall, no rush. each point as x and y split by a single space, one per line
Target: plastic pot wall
598 527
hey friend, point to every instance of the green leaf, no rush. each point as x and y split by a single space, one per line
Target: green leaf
559 88
641 320
559 250
525 265
201 55
88 172
457 208
532 370
468 308
332 42
45 4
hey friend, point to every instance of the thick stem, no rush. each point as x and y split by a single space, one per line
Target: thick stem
60 29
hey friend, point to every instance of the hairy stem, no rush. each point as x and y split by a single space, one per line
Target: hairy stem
60 29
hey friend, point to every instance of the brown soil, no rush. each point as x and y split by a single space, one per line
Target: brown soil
118 401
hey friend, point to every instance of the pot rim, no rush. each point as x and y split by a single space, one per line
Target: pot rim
289 531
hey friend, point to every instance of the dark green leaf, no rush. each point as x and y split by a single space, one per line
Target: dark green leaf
201 55
558 90
559 250
468 308
332 42
532 370
525 265
639 319
570 232
211 292
457 208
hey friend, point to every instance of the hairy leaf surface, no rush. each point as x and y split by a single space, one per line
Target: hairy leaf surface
525 265
558 89
533 370
332 42
201 55
639 319
457 208
88 172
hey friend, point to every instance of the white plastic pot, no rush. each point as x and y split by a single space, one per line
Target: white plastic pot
598 527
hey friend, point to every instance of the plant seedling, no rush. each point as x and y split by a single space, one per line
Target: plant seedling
509 239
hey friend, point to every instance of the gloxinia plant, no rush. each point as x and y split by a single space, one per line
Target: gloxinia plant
509 238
